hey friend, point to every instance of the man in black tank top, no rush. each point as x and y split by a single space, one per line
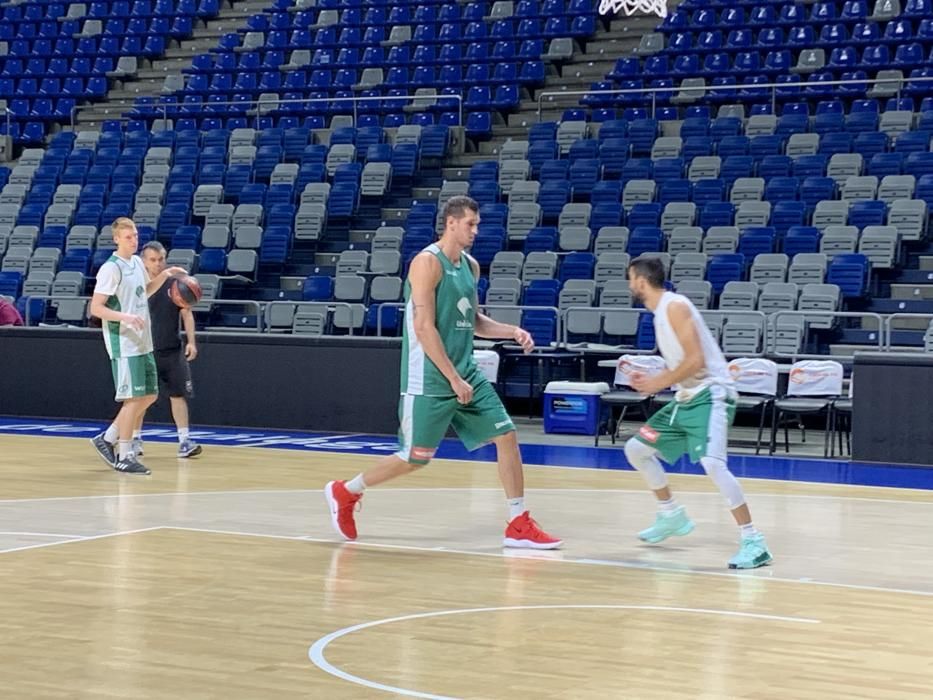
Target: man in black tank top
171 356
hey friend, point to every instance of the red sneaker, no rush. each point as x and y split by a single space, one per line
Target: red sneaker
524 532
342 504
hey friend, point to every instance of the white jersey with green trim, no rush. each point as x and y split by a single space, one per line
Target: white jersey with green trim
124 282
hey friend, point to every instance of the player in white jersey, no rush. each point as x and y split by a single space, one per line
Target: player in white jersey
696 422
120 301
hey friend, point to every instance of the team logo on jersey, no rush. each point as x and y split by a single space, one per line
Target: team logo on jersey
140 291
464 306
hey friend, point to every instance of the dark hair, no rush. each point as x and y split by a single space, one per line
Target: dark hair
458 205
648 267
154 245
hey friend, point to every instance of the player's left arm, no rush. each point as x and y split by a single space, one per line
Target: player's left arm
191 346
490 329
684 326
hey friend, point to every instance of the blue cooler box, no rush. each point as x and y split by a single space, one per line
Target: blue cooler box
573 407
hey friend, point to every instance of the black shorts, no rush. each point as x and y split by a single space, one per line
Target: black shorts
174 373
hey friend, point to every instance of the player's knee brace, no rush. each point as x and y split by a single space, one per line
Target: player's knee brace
724 480
644 459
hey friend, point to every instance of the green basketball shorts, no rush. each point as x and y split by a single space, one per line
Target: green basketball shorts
424 421
134 376
698 427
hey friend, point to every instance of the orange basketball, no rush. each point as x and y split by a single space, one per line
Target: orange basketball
184 290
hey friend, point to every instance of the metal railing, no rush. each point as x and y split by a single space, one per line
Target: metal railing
767 322
726 314
207 306
602 311
387 304
809 316
86 314
890 320
490 309
654 92
329 307
260 107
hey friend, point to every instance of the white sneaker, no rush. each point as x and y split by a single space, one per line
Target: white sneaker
189 448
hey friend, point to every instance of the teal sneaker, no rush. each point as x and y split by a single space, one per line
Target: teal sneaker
753 552
667 525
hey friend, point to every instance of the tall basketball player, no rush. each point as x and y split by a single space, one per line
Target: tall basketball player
441 384
696 423
120 302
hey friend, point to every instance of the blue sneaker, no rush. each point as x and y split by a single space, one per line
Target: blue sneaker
753 552
667 525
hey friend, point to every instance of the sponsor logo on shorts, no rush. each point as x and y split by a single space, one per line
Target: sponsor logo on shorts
422 453
648 434
502 424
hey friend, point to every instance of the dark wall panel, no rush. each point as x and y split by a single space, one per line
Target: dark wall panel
268 381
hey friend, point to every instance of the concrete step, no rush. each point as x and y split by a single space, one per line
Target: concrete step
912 291
525 120
455 172
926 262
590 70
421 193
394 217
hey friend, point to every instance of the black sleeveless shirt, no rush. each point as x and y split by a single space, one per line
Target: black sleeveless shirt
164 315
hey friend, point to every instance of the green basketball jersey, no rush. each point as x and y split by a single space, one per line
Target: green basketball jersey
455 319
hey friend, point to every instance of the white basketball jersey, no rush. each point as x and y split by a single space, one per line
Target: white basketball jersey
124 283
716 370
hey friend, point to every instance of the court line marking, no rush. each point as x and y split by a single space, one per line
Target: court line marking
467 459
40 534
752 574
561 489
89 538
316 651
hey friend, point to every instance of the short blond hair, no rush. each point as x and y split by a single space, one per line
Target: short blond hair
121 222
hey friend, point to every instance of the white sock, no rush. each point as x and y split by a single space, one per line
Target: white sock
137 434
356 484
111 435
516 507
183 435
668 507
748 530
126 449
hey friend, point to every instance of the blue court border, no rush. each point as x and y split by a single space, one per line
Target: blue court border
812 470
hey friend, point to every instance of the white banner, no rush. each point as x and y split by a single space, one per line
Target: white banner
754 375
488 363
815 378
648 365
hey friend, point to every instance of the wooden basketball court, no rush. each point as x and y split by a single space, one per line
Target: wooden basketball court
221 578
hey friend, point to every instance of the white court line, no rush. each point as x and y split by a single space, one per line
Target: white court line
560 489
41 534
316 651
270 441
81 539
507 554
158 494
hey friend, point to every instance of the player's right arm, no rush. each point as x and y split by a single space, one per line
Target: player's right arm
424 276
108 279
155 284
